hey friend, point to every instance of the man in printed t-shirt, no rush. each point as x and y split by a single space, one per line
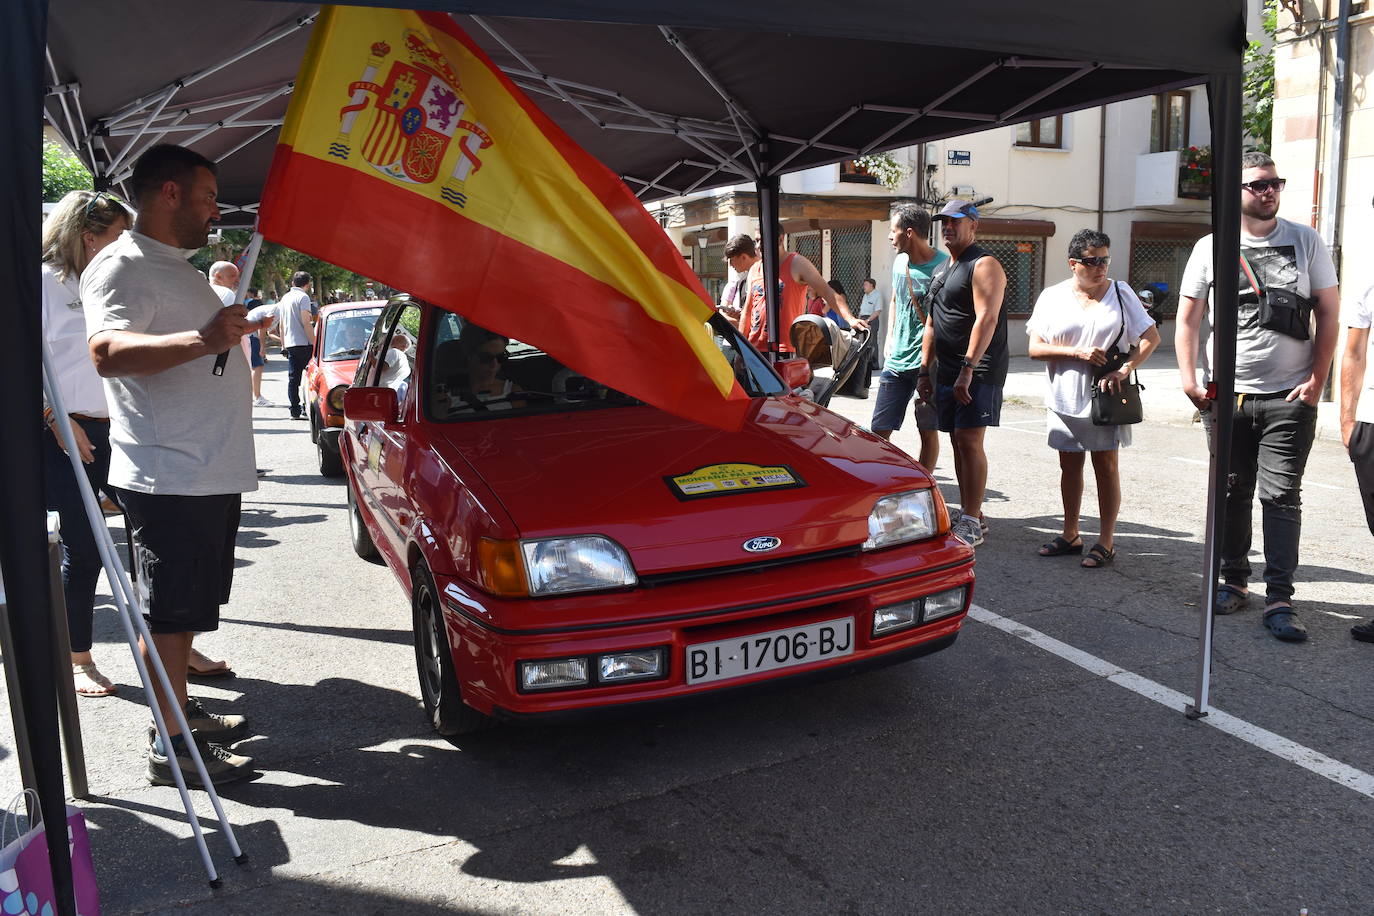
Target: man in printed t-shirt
1281 367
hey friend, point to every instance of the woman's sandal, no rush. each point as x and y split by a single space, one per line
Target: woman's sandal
89 682
1098 557
1058 547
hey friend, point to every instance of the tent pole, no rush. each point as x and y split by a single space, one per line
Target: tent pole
1224 99
767 187
24 535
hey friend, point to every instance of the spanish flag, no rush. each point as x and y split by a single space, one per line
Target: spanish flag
407 156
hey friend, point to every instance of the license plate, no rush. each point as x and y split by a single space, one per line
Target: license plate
727 658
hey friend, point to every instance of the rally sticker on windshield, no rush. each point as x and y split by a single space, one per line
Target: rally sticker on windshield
724 479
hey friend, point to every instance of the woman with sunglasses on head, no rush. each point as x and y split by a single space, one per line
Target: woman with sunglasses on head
1073 328
82 224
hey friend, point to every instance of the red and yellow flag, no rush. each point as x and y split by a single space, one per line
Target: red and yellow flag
407 156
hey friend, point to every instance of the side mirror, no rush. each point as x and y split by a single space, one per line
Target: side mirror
796 373
370 405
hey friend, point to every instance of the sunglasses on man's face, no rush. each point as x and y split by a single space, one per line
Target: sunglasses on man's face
1093 262
1265 184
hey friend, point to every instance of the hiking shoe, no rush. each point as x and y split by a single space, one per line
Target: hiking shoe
968 529
221 764
213 727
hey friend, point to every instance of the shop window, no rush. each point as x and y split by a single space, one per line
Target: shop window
1023 259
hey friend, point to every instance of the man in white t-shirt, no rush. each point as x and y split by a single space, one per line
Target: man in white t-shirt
1281 367
181 437
297 337
1357 412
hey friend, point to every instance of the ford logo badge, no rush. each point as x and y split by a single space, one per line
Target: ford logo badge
762 544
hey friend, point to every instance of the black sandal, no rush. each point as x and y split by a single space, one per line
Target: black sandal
1098 557
1058 547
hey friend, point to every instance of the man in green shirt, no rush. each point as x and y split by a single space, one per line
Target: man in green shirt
912 269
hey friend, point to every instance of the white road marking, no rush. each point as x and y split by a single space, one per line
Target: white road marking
1279 746
1305 483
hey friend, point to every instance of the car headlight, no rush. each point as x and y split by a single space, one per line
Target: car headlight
336 398
900 518
558 566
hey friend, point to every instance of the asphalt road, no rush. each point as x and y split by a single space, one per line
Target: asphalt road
996 777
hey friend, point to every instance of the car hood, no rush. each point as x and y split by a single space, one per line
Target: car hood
339 371
679 495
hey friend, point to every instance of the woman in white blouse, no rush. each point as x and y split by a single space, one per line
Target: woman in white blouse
1073 328
82 224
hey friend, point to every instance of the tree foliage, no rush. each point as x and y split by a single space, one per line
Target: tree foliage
62 172
276 263
1257 119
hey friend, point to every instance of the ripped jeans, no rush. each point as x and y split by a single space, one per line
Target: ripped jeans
1270 440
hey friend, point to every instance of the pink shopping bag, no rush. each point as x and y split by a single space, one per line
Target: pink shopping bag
26 881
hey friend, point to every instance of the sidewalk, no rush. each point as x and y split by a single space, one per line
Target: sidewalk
1163 399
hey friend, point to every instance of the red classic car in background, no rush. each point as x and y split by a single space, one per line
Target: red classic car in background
566 547
341 333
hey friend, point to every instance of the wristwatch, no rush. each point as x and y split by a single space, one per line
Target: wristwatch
967 363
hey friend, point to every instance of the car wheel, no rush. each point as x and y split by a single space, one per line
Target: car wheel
314 424
331 465
357 530
439 688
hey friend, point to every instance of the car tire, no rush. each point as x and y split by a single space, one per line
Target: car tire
363 545
315 424
439 689
331 465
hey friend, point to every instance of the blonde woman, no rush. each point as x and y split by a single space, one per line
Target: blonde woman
83 223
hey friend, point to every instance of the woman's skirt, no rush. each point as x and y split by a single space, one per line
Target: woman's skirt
1078 434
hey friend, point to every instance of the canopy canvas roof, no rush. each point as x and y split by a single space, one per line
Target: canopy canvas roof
674 97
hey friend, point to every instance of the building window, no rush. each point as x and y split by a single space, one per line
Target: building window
808 245
1169 121
709 265
1045 133
852 172
1024 261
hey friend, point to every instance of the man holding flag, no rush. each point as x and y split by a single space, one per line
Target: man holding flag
181 438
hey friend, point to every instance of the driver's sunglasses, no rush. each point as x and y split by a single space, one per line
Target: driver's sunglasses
1261 185
1094 262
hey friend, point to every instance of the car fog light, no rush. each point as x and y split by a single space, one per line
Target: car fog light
553 674
641 664
943 604
896 616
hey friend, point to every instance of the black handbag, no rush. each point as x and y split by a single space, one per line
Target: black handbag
1121 407
1281 310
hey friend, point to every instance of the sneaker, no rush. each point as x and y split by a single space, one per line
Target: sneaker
261 401
221 765
968 529
212 727
1364 632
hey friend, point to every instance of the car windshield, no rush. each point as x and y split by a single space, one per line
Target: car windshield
346 333
475 373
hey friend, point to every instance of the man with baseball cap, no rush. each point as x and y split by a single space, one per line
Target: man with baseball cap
966 338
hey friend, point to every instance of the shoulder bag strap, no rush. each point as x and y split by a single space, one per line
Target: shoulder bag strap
911 294
1249 272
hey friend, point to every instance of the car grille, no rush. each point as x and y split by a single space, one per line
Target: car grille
687 575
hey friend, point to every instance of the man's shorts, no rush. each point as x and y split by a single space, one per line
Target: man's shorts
184 554
255 356
895 391
985 408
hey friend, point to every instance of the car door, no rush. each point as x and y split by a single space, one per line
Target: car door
385 446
